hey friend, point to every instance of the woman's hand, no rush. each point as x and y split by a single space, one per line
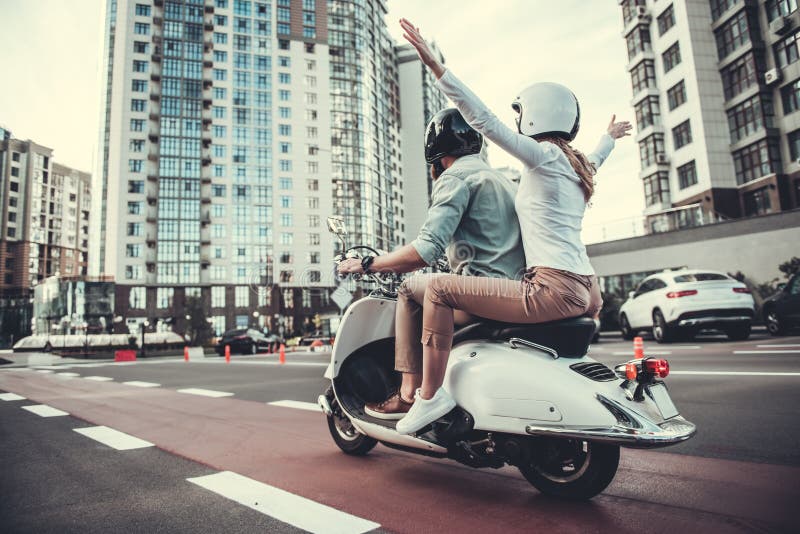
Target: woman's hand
427 56
350 266
618 129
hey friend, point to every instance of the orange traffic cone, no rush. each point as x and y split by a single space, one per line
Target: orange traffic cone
186 354
227 354
638 348
282 358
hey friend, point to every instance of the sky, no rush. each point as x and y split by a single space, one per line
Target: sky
50 54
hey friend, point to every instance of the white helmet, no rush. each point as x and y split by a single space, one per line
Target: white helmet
547 109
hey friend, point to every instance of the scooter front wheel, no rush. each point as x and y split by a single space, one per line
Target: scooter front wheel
345 435
570 469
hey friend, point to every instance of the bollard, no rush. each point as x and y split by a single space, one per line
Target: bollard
186 354
227 354
282 354
638 348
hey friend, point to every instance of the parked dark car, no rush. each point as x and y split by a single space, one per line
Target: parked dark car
243 341
782 310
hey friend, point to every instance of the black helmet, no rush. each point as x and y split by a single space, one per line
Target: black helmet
448 134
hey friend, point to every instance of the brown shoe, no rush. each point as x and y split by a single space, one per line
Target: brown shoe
391 409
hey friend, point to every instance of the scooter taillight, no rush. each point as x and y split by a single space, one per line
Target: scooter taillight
658 367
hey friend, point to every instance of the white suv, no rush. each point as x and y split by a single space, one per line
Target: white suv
685 302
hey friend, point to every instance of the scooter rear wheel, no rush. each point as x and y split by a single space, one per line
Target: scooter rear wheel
570 469
344 434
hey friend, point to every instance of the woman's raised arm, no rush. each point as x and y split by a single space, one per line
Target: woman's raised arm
474 111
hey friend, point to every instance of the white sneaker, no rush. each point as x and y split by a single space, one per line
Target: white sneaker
424 412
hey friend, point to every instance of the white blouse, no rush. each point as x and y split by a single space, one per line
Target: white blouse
550 202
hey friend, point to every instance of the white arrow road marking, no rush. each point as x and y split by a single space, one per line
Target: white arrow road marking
767 351
284 506
139 384
43 410
732 373
100 378
310 406
205 392
113 438
11 397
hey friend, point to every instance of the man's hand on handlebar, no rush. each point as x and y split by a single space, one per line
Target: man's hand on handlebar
350 266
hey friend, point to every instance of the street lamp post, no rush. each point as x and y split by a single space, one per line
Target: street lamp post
144 326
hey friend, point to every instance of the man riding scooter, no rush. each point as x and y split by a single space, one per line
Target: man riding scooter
472 216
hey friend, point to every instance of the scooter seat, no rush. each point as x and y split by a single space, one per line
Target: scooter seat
570 338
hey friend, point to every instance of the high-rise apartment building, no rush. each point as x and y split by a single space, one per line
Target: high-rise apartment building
716 93
232 129
44 230
420 101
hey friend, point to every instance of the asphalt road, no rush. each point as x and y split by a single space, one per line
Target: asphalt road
744 397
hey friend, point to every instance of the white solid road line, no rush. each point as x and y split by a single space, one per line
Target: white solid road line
11 397
777 346
310 406
767 351
46 371
732 373
68 375
113 438
205 392
282 505
43 410
288 364
99 378
646 353
139 384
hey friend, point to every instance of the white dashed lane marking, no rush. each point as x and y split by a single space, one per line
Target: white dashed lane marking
284 506
731 373
100 378
113 438
43 410
310 406
139 384
205 392
777 346
767 351
68 375
11 397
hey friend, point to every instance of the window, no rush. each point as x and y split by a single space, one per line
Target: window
137 105
682 134
671 57
757 202
285 113
313 257
739 75
134 229
718 7
287 277
286 219
164 297
135 186
309 47
313 239
284 77
649 147
313 185
242 296
142 10
629 9
139 86
287 238
140 47
310 81
139 65
780 8
756 160
643 76
313 221
286 183
687 175
137 298
283 44
666 20
656 188
794 145
135 165
286 257
790 95
217 297
286 202
284 129
749 117
638 41
284 95
134 208
786 51
647 112
732 34
676 95
140 28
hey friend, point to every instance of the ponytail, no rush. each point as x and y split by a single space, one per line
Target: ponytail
580 163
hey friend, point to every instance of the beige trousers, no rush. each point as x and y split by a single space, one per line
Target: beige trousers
428 306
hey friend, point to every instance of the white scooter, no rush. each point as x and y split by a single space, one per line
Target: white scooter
527 395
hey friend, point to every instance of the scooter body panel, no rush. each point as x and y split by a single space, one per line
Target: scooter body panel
367 320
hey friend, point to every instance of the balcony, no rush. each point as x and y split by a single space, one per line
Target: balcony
155 97
209 9
158 21
205 179
208 46
151 219
150 240
208 26
158 3
207 83
205 200
207 64
152 177
155 77
153 138
206 161
155 117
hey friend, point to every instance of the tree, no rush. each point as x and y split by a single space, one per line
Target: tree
198 329
790 268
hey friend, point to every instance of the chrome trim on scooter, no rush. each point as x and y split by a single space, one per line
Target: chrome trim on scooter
639 433
515 340
323 403
707 320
